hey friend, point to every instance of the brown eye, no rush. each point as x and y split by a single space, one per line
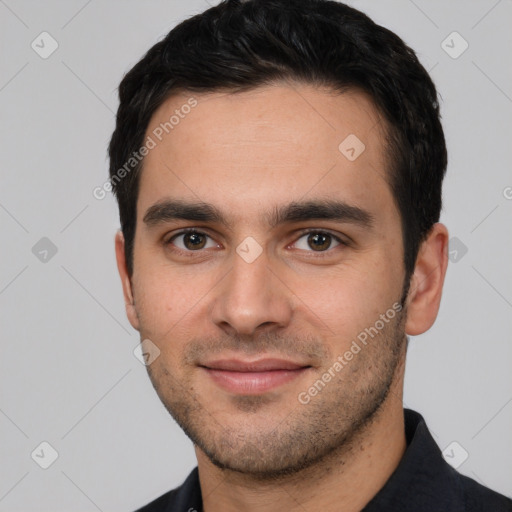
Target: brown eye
317 241
191 241
194 241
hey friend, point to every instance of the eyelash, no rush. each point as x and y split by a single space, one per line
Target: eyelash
301 234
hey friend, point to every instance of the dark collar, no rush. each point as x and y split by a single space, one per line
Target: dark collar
423 481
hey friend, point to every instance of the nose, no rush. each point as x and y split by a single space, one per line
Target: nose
252 298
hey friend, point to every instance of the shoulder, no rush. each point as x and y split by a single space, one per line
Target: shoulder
482 499
424 481
185 498
162 503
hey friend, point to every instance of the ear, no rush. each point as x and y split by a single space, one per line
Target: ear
131 312
427 281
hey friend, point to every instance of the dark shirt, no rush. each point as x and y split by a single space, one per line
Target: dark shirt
422 482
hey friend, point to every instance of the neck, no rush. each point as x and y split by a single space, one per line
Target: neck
345 481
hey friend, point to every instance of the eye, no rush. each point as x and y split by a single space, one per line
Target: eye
318 241
191 240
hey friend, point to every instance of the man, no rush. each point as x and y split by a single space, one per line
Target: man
278 167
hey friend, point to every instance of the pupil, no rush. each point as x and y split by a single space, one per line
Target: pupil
319 241
193 240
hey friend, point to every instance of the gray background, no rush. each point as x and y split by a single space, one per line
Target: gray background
69 375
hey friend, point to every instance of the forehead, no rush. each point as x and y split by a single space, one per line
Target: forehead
268 146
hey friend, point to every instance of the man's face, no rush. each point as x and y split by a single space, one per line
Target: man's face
254 305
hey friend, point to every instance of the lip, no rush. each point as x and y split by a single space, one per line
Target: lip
260 365
253 377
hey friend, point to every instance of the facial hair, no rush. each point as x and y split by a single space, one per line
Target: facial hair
310 432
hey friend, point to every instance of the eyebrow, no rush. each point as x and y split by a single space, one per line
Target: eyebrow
176 209
320 209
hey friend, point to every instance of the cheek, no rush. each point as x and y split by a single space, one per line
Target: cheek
160 302
343 302
172 303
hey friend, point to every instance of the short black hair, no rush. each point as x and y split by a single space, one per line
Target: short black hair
239 45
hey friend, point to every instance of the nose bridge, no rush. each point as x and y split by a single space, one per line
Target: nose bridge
250 297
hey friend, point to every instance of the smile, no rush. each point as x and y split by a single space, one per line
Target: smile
253 378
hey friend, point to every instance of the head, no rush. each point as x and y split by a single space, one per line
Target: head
300 145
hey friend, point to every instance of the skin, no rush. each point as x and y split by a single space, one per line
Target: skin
246 154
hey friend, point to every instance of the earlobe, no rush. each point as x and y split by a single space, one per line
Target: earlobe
131 312
427 281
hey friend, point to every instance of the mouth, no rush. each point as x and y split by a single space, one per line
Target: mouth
253 377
